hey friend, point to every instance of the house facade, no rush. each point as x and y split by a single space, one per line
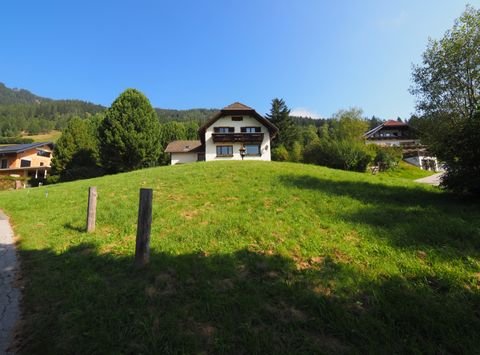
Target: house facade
400 134
26 160
392 133
236 132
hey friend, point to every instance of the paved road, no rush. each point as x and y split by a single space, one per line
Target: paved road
432 179
9 294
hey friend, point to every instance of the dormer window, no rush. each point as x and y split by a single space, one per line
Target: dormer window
223 129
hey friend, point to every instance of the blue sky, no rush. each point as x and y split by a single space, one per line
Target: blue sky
320 56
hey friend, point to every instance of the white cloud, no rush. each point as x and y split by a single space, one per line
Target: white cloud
304 112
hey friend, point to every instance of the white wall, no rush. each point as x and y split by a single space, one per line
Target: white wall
418 161
182 158
392 142
210 147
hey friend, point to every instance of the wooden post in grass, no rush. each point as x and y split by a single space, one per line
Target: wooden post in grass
142 247
92 209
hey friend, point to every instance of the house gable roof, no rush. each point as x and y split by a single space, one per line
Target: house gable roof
184 147
237 108
19 148
387 124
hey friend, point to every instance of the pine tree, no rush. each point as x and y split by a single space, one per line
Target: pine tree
280 117
129 134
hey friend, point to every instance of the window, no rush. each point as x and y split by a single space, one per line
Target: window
237 118
4 164
251 129
43 153
224 150
252 150
25 163
223 129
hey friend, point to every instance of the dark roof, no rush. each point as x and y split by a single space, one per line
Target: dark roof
392 123
388 124
184 147
19 148
237 108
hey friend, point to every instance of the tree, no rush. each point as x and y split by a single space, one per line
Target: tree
447 88
76 153
280 117
130 134
348 124
341 144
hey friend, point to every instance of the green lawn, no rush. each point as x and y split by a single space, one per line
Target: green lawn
51 136
250 258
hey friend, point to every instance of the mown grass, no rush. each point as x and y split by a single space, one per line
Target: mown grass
406 171
51 136
250 257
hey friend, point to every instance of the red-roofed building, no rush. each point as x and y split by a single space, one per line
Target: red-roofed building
400 134
392 133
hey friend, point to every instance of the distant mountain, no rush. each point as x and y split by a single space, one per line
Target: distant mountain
18 96
197 114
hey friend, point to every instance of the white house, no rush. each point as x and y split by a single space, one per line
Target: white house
401 134
236 132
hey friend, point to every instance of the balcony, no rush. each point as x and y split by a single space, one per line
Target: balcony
237 137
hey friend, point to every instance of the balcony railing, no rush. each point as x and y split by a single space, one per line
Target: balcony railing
237 137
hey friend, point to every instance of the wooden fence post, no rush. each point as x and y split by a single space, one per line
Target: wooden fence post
92 209
142 247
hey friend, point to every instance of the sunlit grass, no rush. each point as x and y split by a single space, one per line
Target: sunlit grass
51 136
250 257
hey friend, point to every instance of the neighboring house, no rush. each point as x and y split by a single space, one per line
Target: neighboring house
26 160
392 133
236 132
401 134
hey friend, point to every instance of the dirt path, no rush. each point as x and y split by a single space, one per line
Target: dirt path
432 179
9 293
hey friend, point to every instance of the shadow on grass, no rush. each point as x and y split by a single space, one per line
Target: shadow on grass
74 228
81 301
407 217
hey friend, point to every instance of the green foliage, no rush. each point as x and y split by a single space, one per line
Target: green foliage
348 125
76 153
280 153
253 258
341 145
386 158
280 116
15 140
339 154
462 154
296 153
21 111
199 115
447 87
130 134
172 131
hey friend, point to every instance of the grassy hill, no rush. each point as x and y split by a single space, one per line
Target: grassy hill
250 257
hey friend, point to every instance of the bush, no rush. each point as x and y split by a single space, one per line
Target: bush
386 158
339 154
280 153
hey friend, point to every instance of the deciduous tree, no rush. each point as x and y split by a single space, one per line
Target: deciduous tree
447 87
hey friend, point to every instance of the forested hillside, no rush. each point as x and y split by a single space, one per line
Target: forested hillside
22 111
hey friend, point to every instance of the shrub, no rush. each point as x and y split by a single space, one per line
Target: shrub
280 153
339 154
386 158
